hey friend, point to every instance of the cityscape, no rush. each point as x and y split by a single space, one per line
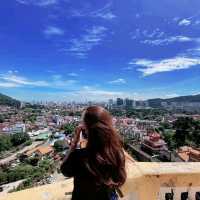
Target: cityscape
33 136
138 59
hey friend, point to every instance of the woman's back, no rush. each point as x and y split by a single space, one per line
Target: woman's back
85 187
99 168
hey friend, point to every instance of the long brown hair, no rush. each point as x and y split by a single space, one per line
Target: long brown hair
106 160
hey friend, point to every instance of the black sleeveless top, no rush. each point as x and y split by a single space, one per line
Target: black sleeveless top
84 183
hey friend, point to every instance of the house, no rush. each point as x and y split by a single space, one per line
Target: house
39 151
194 155
153 144
44 150
189 154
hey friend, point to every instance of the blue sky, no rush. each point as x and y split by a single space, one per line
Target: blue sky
66 50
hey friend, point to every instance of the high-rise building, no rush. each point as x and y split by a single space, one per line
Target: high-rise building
120 102
129 103
142 104
110 103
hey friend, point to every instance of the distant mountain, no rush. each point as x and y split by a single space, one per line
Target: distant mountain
6 100
155 103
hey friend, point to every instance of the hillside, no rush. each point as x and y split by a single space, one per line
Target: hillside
6 100
155 103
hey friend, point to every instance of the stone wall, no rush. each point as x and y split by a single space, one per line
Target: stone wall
146 181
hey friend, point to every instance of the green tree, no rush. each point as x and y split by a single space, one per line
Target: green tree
38 174
69 128
33 161
45 164
5 143
166 125
59 145
28 142
196 133
3 178
184 131
19 138
20 172
27 183
169 139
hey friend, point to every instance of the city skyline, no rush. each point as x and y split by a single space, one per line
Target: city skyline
61 50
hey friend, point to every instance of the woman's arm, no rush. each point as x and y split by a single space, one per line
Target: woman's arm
67 166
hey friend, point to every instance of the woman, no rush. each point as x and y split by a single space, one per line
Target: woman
98 168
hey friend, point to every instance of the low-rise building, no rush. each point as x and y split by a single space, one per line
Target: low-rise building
18 128
153 144
189 154
194 155
42 134
39 151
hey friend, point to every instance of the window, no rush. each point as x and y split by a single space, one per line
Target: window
184 196
197 196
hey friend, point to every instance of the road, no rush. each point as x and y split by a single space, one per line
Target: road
8 187
14 155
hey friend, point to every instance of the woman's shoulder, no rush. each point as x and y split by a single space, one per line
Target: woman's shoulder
80 152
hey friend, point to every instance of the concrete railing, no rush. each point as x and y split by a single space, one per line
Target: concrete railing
146 181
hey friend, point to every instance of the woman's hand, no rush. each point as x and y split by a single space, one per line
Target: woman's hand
77 133
74 141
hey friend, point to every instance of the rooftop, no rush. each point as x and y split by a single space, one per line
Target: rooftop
185 153
146 181
40 149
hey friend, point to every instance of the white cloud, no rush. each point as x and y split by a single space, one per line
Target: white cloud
169 40
118 81
73 74
197 22
80 47
82 69
108 15
175 19
50 71
142 62
158 37
184 22
15 80
12 71
139 34
56 77
128 68
59 81
171 95
53 30
149 67
83 94
194 52
137 15
8 85
63 83
104 13
94 94
41 3
10 79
